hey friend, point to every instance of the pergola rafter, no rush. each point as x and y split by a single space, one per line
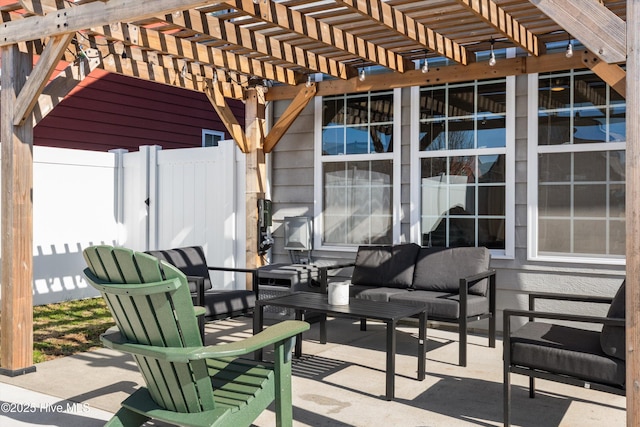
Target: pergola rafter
241 35
409 27
497 17
334 36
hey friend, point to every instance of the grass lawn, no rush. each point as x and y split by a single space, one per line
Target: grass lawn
69 327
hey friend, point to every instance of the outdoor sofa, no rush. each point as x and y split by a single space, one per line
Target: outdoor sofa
456 284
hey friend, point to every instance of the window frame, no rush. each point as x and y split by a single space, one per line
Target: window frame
508 151
533 149
206 132
319 159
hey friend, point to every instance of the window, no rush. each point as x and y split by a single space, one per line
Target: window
577 168
356 168
464 145
211 138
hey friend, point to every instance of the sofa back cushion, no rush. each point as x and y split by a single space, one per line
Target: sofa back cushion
388 265
612 338
190 260
442 270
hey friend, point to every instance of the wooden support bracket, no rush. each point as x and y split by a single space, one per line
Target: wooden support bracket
292 112
613 74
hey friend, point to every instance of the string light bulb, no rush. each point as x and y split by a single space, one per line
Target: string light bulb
492 55
308 83
183 73
569 52
362 75
425 66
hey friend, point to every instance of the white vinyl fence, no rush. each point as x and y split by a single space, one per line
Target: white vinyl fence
150 199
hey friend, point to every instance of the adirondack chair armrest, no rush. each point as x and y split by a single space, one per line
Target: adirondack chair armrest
279 332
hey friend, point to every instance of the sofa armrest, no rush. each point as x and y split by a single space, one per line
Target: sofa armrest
467 282
199 281
323 273
252 271
532 314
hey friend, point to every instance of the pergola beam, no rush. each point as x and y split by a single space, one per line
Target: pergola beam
199 52
497 17
16 218
598 29
89 15
410 28
39 7
632 215
440 75
164 69
236 34
308 26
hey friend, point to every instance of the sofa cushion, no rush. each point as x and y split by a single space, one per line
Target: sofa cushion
190 260
565 350
379 293
443 305
612 338
441 271
388 265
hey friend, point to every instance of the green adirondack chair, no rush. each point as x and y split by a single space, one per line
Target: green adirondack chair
187 384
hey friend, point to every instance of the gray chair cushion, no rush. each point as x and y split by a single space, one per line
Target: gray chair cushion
443 305
441 271
381 293
565 350
612 338
223 303
218 303
389 265
190 260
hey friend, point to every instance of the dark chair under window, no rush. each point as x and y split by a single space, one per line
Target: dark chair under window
217 303
565 353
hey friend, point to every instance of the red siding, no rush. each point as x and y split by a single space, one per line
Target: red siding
108 111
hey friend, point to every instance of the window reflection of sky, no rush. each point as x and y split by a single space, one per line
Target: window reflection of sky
353 140
589 125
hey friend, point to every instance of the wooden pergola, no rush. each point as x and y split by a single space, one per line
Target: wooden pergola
264 50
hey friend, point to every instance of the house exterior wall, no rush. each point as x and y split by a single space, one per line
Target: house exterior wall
292 195
109 111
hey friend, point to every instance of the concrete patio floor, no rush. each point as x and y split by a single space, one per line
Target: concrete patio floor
338 384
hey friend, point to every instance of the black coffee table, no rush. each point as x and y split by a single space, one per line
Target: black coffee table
388 312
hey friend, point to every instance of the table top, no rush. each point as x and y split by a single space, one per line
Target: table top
378 310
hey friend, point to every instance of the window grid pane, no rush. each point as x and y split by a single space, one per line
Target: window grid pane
580 193
358 202
463 197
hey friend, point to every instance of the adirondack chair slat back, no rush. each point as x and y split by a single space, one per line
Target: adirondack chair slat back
151 304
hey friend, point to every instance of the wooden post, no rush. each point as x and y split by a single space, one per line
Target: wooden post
17 218
633 214
256 170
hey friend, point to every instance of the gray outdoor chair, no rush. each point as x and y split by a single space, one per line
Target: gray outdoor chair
217 303
568 354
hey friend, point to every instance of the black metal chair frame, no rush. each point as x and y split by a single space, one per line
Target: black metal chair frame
547 375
